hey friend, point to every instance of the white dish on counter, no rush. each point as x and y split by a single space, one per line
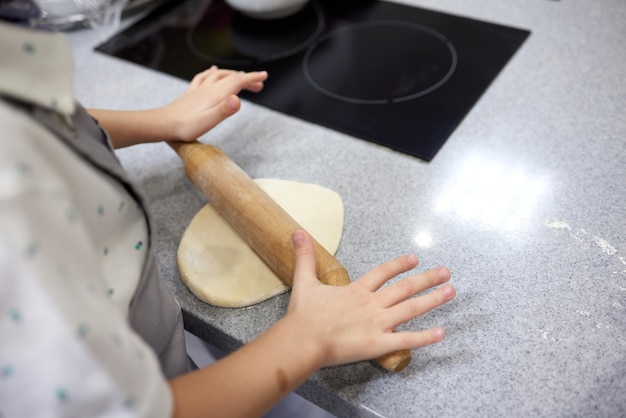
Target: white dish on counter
267 9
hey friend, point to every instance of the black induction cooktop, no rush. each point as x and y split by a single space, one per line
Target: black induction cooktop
398 76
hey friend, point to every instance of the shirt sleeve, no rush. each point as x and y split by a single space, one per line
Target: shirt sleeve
67 348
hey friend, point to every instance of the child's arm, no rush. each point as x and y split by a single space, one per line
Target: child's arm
210 98
324 326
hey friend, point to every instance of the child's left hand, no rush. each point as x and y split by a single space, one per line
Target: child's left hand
210 98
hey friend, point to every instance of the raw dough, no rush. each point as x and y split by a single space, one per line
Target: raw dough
219 267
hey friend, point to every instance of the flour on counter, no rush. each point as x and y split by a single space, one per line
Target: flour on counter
605 246
558 225
582 236
588 241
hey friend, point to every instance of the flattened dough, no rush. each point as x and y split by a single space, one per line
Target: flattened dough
219 267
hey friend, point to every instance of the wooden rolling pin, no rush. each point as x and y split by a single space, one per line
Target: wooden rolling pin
260 221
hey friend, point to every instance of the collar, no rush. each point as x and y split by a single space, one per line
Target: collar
36 67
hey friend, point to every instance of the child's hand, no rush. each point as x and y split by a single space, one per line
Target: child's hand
355 322
325 325
210 98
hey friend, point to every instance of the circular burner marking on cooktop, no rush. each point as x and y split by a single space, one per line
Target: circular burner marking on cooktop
380 62
226 37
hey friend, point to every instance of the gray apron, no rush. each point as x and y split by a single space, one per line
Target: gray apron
154 313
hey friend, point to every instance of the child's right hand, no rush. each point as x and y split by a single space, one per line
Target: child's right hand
356 322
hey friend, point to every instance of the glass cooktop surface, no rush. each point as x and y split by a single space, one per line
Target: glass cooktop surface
398 76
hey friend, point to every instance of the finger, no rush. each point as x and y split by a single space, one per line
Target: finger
221 83
413 285
379 275
236 81
223 110
253 82
199 78
412 340
390 342
220 73
256 87
304 248
259 76
239 77
254 76
412 308
397 341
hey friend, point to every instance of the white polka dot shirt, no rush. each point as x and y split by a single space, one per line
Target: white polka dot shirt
72 246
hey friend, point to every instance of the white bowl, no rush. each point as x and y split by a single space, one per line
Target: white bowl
267 9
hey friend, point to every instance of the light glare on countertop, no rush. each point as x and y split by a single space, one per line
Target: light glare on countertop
423 239
491 194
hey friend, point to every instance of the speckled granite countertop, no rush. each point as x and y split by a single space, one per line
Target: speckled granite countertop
525 203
